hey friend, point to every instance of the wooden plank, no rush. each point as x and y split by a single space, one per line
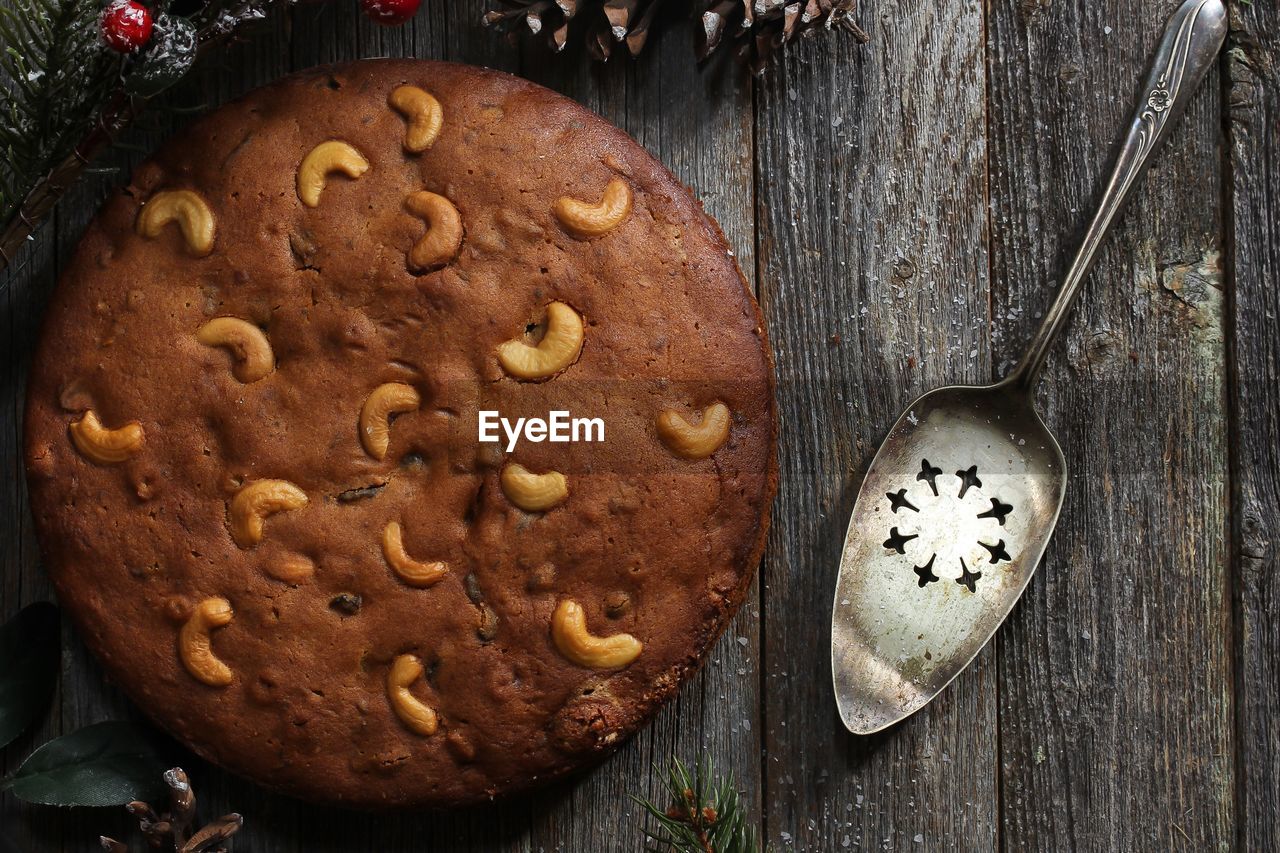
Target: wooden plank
333 33
871 181
579 815
324 33
24 289
451 31
1253 85
1115 671
84 696
272 820
700 125
718 710
31 282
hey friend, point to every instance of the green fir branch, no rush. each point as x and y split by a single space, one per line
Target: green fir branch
68 96
702 815
56 76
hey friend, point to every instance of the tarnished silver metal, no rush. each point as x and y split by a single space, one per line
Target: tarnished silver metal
960 501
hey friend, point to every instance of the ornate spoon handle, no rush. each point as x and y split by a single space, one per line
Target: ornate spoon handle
1189 49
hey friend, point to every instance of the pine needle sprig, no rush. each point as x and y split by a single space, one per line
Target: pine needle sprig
702 815
56 77
68 97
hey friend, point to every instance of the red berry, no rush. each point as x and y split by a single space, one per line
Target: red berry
390 12
125 25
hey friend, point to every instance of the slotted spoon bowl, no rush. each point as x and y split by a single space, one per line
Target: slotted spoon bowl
959 503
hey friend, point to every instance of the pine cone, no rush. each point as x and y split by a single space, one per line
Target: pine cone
172 831
757 27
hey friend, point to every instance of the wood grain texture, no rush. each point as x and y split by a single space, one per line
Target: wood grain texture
1115 671
24 289
704 133
1253 134
700 126
905 209
873 274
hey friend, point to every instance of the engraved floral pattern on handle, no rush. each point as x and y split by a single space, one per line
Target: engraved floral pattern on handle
1195 34
1167 90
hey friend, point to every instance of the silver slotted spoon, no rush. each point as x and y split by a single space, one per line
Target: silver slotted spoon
961 499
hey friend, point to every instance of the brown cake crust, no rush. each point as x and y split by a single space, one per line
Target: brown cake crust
649 543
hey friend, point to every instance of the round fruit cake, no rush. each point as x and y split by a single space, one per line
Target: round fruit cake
254 435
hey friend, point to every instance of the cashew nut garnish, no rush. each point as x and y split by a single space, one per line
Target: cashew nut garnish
533 492
695 442
255 502
291 568
411 571
194 644
593 220
416 715
332 156
424 114
375 415
575 642
444 230
190 211
558 348
102 445
247 343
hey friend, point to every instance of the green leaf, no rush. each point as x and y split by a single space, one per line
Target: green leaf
30 649
106 764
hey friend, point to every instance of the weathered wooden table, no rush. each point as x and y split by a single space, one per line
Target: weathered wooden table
903 209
